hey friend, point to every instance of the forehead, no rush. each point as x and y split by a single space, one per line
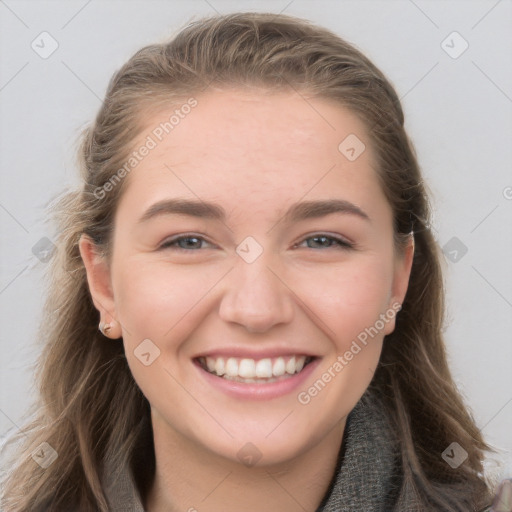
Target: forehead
236 144
221 121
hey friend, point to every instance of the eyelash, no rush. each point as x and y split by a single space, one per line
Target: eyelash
170 244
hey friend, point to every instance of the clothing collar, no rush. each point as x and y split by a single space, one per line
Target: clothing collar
369 476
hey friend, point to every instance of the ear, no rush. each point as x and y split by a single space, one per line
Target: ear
98 278
401 274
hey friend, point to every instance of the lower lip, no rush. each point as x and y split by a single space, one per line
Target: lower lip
252 391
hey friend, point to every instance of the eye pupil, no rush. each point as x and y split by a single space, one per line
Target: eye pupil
187 241
324 241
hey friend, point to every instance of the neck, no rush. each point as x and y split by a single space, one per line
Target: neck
190 478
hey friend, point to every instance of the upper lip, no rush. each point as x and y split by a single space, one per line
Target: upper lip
254 354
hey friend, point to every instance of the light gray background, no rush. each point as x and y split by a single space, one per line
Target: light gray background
458 112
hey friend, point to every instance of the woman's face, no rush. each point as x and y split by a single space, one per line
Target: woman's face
270 257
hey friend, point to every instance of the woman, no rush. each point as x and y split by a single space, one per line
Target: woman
246 305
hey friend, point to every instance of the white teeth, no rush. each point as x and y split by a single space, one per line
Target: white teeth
301 361
264 368
290 366
279 367
219 366
247 368
250 370
232 367
210 364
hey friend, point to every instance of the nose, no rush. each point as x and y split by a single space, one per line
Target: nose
256 297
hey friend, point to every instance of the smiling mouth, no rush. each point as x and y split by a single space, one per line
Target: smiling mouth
250 371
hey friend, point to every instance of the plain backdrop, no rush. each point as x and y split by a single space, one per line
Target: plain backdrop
456 90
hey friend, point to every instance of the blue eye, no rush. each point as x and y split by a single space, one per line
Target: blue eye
321 241
328 242
191 243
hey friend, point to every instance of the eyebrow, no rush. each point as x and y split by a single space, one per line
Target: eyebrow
296 212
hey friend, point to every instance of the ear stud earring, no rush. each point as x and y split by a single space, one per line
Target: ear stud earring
105 328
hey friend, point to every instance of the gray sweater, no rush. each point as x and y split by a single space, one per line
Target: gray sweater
368 477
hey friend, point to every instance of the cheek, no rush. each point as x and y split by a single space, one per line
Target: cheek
164 305
160 303
349 298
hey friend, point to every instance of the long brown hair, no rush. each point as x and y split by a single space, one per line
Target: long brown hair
92 413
